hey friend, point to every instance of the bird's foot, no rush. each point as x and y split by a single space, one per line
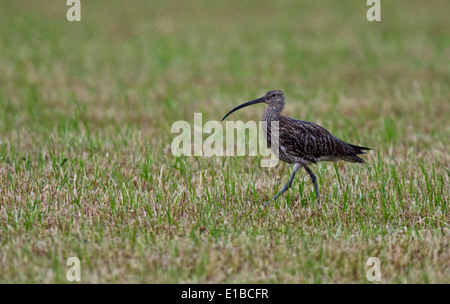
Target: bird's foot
318 200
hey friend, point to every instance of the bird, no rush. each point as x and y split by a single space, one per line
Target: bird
301 143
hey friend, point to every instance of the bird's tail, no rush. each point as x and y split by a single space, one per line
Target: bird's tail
352 154
359 149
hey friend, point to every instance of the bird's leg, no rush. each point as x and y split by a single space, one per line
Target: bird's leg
288 184
314 180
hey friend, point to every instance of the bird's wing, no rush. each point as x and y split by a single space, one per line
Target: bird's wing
308 140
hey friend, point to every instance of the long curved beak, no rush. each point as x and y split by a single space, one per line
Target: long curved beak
249 103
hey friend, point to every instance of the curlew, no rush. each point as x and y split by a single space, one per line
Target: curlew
300 142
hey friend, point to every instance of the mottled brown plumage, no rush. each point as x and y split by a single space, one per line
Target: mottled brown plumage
301 142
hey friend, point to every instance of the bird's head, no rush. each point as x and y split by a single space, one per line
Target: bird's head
273 98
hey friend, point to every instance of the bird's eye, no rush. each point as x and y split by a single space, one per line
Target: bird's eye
273 95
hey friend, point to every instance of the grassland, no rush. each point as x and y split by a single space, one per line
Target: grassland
86 170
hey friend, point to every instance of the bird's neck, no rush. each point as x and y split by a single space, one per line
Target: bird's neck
272 113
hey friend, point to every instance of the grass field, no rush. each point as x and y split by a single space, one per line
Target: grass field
86 169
